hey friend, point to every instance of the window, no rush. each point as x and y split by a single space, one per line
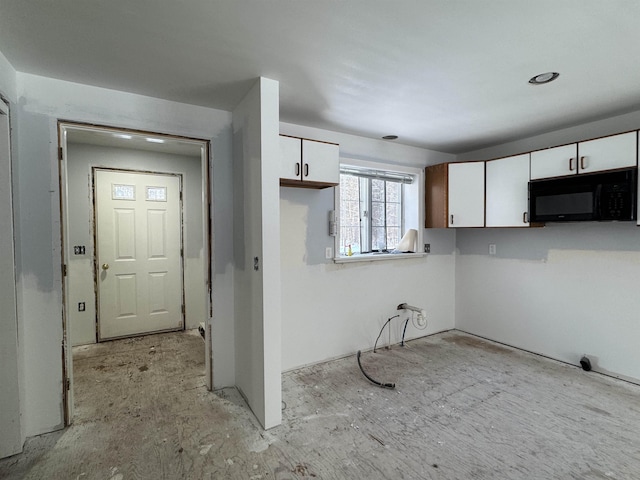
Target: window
374 210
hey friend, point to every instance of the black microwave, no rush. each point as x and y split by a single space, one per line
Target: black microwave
600 196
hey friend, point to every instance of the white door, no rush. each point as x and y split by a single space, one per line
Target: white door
466 194
138 253
507 191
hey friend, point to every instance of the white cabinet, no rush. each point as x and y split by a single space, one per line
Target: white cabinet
554 162
607 153
308 163
466 194
320 162
290 158
507 191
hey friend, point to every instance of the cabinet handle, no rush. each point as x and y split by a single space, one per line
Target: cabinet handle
451 219
306 169
571 164
297 169
524 217
582 166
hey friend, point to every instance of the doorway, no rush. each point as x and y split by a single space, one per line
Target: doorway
86 150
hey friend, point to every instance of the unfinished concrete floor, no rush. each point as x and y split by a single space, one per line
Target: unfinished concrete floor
464 408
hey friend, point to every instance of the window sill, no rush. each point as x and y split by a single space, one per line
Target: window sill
375 257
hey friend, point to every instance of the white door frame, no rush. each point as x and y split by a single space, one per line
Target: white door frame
11 423
64 127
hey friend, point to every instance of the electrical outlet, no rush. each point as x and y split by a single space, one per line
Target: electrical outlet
81 307
328 252
427 248
492 249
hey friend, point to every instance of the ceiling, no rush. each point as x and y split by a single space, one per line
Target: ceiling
449 75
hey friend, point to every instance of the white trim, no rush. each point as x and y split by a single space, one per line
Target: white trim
375 257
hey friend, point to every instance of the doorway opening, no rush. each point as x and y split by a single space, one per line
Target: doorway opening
141 264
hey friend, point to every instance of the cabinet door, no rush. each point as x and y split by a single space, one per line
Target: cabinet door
617 151
507 191
466 194
554 162
320 162
290 158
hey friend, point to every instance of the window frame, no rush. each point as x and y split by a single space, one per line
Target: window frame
412 215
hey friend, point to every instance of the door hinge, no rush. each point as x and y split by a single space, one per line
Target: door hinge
64 269
59 153
67 383
183 308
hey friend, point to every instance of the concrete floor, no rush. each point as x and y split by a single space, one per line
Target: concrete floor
463 408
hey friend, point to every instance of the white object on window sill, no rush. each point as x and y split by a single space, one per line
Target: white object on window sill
373 257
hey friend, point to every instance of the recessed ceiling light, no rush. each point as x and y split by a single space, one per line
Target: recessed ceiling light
543 78
155 140
122 135
390 137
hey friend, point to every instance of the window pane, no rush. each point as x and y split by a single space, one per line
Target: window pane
393 191
394 214
349 213
377 190
349 236
378 241
393 237
349 187
377 215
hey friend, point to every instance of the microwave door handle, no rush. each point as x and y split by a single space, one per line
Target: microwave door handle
597 204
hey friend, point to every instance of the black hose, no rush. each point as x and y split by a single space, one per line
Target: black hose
375 382
404 331
381 330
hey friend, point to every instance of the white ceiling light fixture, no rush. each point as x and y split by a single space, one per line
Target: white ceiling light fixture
543 78
155 140
123 135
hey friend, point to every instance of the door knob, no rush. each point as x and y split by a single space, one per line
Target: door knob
105 266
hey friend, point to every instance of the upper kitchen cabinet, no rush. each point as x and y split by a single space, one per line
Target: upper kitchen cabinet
435 201
507 191
554 162
607 153
308 163
454 195
290 158
466 194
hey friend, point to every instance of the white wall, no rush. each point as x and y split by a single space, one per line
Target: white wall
563 290
257 288
331 310
81 158
42 102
